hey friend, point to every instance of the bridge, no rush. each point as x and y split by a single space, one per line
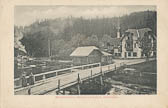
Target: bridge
57 82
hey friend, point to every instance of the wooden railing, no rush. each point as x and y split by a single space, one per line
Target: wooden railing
43 76
69 79
65 80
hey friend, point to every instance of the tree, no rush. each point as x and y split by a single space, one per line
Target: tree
78 32
146 45
106 39
91 41
66 49
57 46
77 40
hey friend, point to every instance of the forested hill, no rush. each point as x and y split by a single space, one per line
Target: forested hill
64 35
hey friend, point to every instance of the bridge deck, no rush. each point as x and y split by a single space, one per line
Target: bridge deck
71 78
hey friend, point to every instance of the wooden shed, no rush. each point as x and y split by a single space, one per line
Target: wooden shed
86 55
106 58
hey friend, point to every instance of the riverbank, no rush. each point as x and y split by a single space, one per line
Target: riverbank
142 81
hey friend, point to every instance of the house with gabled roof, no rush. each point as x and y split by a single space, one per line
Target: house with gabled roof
129 45
86 55
132 40
89 55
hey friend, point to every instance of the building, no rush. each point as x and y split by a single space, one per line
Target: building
115 45
86 55
132 41
89 55
129 45
106 58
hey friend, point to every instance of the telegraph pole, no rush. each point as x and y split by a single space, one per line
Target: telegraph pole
49 50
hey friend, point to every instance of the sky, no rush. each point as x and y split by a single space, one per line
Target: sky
26 15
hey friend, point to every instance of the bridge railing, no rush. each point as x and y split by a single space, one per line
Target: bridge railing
71 78
52 74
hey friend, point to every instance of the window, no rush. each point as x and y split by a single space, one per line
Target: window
134 45
119 54
129 53
134 54
115 54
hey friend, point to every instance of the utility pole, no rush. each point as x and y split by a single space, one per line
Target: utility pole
49 47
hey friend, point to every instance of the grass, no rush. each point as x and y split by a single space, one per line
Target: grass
135 78
149 66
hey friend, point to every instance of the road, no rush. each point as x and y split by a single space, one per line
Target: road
52 84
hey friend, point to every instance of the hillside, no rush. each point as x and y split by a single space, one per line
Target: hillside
64 35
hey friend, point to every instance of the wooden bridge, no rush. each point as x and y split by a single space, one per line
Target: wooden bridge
58 82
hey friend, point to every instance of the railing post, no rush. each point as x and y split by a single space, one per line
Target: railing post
34 79
91 73
29 91
71 67
101 82
78 84
57 92
101 71
56 73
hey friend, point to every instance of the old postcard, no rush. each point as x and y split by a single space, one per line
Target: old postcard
111 53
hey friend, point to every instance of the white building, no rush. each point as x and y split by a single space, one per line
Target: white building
131 43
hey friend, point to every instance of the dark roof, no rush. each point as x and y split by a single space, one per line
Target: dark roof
139 32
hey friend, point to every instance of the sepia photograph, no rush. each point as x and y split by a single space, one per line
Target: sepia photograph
85 50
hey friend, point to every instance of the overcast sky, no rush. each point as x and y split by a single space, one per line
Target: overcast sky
25 15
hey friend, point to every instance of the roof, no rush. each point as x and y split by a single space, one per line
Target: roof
115 41
83 51
139 32
106 54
